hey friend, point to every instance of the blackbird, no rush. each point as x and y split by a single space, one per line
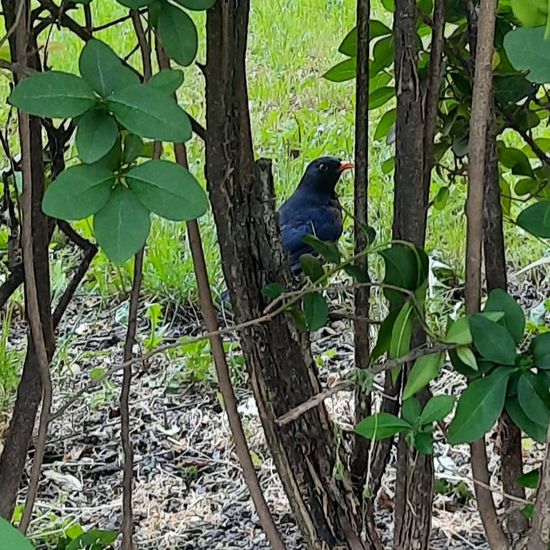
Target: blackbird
313 209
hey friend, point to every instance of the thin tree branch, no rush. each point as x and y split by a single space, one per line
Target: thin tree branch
482 93
90 250
33 312
220 359
350 382
11 284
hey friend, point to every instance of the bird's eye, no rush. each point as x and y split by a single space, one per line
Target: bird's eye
323 167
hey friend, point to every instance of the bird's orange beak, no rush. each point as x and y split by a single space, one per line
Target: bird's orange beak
345 166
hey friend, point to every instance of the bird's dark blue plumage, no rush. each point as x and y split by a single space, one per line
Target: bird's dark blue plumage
312 209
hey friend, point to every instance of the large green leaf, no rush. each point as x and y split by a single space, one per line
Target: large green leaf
541 351
406 268
96 134
53 94
381 426
149 113
521 420
386 123
315 310
436 409
135 4
345 70
197 5
533 398
424 370
178 34
492 341
384 335
349 44
529 51
328 250
101 67
402 331
312 267
514 319
479 407
78 192
11 538
121 227
167 80
535 219
381 96
168 189
133 148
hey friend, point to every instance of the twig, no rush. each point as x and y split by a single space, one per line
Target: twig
220 360
33 313
90 250
349 383
11 30
482 92
11 284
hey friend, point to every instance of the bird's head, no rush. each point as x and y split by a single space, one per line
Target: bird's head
322 175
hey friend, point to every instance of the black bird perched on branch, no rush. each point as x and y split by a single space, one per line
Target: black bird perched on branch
313 209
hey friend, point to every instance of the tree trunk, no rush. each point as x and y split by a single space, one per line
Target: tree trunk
279 362
414 486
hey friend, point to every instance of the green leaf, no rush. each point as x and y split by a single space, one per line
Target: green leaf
530 480
121 227
386 123
521 420
535 219
101 67
53 94
436 409
479 407
133 148
441 198
345 70
147 112
78 192
528 50
135 4
383 55
381 426
512 89
12 539
424 370
405 267
97 373
410 410
459 332
381 96
514 319
423 443
273 290
466 355
96 134
196 5
516 160
167 80
312 267
402 331
355 272
328 250
531 397
541 350
178 34
315 310
168 189
384 335
492 341
349 44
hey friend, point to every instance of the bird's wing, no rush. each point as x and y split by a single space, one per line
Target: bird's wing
291 237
